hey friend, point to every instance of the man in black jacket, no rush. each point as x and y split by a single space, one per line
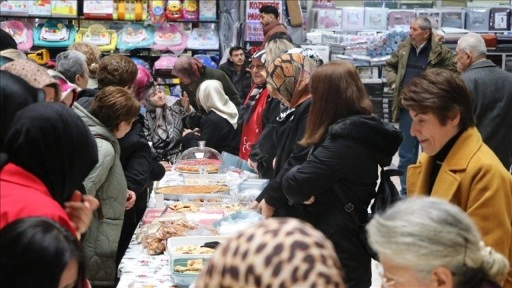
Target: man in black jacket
237 70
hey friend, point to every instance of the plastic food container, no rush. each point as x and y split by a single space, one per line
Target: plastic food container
199 160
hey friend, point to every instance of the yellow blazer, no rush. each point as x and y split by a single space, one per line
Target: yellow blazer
473 178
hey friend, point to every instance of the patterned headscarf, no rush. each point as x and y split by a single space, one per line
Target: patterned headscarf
279 252
290 74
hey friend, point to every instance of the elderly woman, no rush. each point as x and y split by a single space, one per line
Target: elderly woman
455 164
346 145
427 242
287 80
192 72
162 124
283 252
218 126
73 66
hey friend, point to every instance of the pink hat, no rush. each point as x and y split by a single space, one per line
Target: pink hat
143 80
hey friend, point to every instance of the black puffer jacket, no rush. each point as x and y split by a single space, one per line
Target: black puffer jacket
349 155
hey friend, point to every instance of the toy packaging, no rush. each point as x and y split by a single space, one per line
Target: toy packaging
40 8
173 10
190 10
477 19
327 19
21 32
207 10
131 10
98 9
14 7
376 18
64 8
207 60
54 33
99 36
169 36
156 11
353 19
134 36
203 39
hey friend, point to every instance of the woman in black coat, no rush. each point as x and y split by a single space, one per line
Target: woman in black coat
347 145
218 127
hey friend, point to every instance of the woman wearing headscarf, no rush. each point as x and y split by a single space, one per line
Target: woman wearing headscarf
287 78
15 94
192 72
162 124
49 153
283 252
218 126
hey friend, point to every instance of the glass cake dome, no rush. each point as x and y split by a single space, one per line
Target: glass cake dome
200 160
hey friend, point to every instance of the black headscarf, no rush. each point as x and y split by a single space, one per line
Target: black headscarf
15 94
50 141
6 41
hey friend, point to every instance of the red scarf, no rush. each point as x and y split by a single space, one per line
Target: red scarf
253 127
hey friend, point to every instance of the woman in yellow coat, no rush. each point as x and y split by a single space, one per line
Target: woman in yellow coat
455 164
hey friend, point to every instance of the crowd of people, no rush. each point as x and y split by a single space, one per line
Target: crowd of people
81 145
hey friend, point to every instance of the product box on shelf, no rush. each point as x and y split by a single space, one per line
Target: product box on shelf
454 18
207 10
98 9
434 15
376 18
477 19
64 8
353 19
499 19
39 8
14 7
400 17
329 19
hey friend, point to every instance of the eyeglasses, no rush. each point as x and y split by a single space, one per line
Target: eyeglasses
259 68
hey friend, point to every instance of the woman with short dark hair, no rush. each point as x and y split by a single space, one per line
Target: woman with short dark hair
456 165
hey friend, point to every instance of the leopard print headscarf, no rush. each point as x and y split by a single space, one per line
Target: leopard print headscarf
290 74
279 252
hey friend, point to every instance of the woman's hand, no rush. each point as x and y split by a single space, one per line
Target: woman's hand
310 200
185 102
167 166
254 205
253 165
266 210
80 209
130 199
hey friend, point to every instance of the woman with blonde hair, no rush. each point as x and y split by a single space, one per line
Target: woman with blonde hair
92 54
346 146
427 242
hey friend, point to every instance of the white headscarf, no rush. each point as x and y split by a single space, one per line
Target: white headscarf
211 96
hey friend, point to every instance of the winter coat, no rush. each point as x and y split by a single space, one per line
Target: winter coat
492 91
473 178
107 183
241 80
218 133
264 150
211 74
396 66
348 156
168 148
289 154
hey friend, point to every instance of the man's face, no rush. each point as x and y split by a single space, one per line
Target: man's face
417 35
463 59
237 57
266 19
